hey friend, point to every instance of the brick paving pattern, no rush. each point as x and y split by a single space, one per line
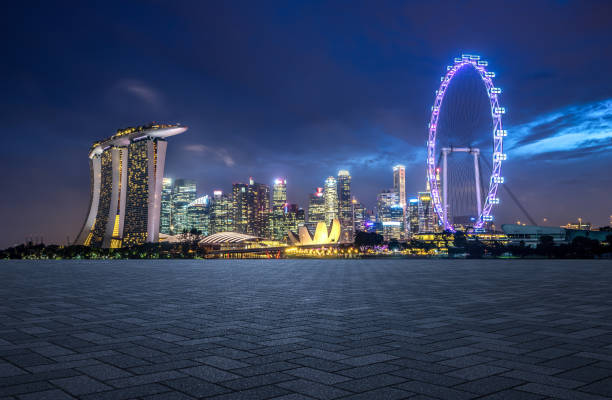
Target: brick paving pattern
306 329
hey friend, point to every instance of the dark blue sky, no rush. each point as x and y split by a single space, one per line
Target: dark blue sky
297 90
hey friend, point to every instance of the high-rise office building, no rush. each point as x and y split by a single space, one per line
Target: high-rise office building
240 199
278 223
389 215
252 208
399 186
399 183
221 213
126 173
183 193
412 216
316 209
330 194
294 218
261 200
359 216
198 215
165 218
345 205
426 213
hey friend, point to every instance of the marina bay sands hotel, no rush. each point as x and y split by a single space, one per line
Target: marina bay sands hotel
126 172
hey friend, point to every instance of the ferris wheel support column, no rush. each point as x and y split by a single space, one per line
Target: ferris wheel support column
445 152
476 154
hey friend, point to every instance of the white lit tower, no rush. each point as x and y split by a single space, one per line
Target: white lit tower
330 194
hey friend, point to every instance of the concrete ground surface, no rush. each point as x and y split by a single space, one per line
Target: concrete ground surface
306 329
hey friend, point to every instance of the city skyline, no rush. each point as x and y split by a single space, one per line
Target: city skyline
270 96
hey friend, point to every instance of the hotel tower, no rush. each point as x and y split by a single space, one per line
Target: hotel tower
126 172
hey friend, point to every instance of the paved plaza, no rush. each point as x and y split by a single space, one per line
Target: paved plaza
306 329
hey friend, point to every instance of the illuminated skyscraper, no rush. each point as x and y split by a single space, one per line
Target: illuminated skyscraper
251 204
294 218
345 205
126 172
279 204
240 199
198 215
165 219
399 184
412 215
316 209
389 215
261 203
426 213
183 193
330 194
359 216
221 213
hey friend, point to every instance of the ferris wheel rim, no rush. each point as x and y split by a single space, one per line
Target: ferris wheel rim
467 60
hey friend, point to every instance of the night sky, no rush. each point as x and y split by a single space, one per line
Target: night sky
298 90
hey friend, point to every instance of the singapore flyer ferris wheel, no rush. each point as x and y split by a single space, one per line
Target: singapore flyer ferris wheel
465 146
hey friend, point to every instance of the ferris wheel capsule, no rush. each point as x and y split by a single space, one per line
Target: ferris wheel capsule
501 133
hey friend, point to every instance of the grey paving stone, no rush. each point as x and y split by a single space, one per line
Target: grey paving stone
370 383
369 359
260 393
490 384
369 370
436 391
317 375
544 379
104 372
127 393
601 388
387 393
169 396
7 369
222 362
512 395
145 379
317 390
477 372
437 379
53 394
196 387
258 380
80 385
557 393
419 329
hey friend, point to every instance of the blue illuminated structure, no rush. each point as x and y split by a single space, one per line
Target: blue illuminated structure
468 61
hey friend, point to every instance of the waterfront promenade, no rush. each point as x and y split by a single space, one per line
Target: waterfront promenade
306 329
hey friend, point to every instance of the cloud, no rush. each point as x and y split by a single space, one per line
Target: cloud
141 91
220 153
572 132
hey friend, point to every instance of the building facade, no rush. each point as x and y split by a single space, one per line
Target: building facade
359 216
399 184
316 209
295 217
389 215
412 216
165 218
198 215
221 213
126 175
345 205
278 223
426 213
183 193
251 203
330 194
